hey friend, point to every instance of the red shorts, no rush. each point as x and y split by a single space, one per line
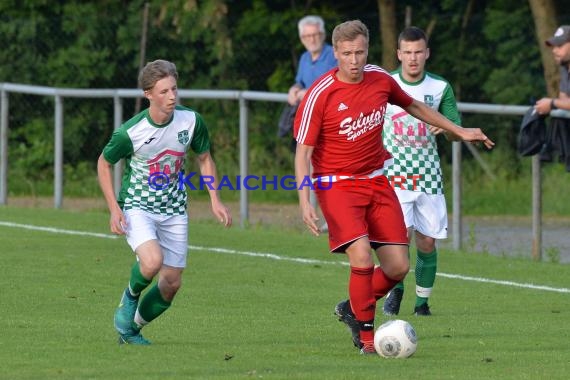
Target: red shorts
354 208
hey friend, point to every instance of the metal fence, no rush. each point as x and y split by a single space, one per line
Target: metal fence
243 98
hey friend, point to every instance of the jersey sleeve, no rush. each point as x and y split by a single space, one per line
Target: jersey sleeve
201 139
448 105
307 125
398 96
120 146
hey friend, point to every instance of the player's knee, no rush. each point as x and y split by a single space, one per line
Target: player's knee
401 270
174 287
150 266
397 270
170 292
169 287
426 248
425 243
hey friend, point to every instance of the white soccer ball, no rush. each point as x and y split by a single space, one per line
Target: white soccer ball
395 339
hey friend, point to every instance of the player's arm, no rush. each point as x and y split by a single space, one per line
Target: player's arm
302 175
120 146
208 170
117 220
420 111
448 108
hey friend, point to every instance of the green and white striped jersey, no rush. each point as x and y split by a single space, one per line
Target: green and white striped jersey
416 161
155 156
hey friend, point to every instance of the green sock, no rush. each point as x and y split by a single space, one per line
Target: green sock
152 304
426 267
137 283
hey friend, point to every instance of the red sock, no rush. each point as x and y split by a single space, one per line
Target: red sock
381 284
362 300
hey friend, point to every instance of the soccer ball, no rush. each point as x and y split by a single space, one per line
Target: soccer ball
395 339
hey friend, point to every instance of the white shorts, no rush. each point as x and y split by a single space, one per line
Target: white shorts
425 213
170 231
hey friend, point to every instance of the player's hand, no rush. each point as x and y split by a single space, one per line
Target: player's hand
489 144
310 219
222 213
476 135
118 223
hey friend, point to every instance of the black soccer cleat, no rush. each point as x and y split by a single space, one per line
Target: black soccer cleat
422 310
393 301
344 313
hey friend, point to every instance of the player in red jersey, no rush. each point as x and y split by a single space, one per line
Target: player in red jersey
338 128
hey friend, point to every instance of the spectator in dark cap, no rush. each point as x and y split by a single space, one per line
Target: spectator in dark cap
560 45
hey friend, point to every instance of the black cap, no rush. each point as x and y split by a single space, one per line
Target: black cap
561 36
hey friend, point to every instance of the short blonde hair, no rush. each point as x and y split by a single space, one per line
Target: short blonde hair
348 31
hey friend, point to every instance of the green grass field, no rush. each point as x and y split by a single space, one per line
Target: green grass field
258 303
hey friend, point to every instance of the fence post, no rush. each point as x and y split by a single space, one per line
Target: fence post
243 160
117 119
58 153
3 146
457 218
536 208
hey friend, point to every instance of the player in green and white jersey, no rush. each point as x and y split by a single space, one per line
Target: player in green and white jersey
151 207
416 172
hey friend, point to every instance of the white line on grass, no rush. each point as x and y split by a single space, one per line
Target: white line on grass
313 261
273 256
57 230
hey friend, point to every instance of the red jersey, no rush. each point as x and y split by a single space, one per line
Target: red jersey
344 121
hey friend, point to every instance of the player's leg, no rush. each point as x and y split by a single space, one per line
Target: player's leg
172 235
426 268
360 291
394 265
141 236
394 297
365 280
149 256
125 312
344 207
159 297
431 224
388 236
140 229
